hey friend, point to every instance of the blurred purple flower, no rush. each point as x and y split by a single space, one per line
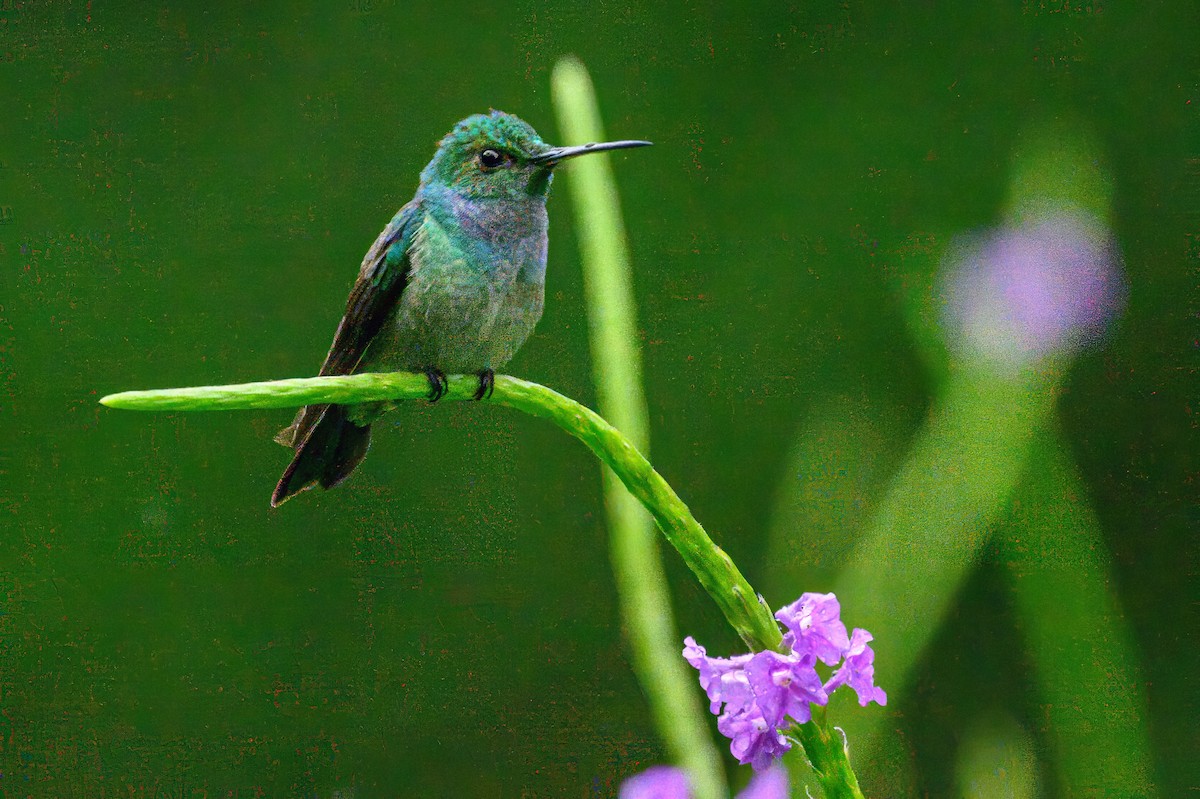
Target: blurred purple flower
757 695
668 782
1017 294
657 782
769 784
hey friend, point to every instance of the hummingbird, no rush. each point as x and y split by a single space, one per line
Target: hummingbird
454 284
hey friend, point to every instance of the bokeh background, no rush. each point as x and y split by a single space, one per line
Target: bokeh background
185 196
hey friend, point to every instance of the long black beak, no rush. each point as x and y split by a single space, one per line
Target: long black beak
556 154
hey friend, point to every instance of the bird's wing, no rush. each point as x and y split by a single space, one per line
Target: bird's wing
381 280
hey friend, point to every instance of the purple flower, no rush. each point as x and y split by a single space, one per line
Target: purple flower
713 674
657 782
754 694
814 625
784 685
668 782
858 671
757 695
1017 294
751 739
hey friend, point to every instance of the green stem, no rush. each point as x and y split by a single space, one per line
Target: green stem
942 503
711 565
826 751
642 591
718 575
1085 655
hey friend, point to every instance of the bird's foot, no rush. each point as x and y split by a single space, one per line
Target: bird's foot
487 383
437 383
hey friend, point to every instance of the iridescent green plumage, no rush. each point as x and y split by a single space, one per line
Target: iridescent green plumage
454 283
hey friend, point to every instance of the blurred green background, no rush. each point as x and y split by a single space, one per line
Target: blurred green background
185 196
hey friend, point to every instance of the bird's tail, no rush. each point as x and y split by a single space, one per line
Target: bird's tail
328 448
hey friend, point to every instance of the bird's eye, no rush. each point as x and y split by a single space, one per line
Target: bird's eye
490 159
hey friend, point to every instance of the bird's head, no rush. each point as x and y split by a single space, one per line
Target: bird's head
500 156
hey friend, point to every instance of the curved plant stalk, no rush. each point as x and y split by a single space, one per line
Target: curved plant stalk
712 567
642 592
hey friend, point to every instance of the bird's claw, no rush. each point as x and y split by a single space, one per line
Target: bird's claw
487 383
437 384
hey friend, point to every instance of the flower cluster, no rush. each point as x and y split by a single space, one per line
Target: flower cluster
755 694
